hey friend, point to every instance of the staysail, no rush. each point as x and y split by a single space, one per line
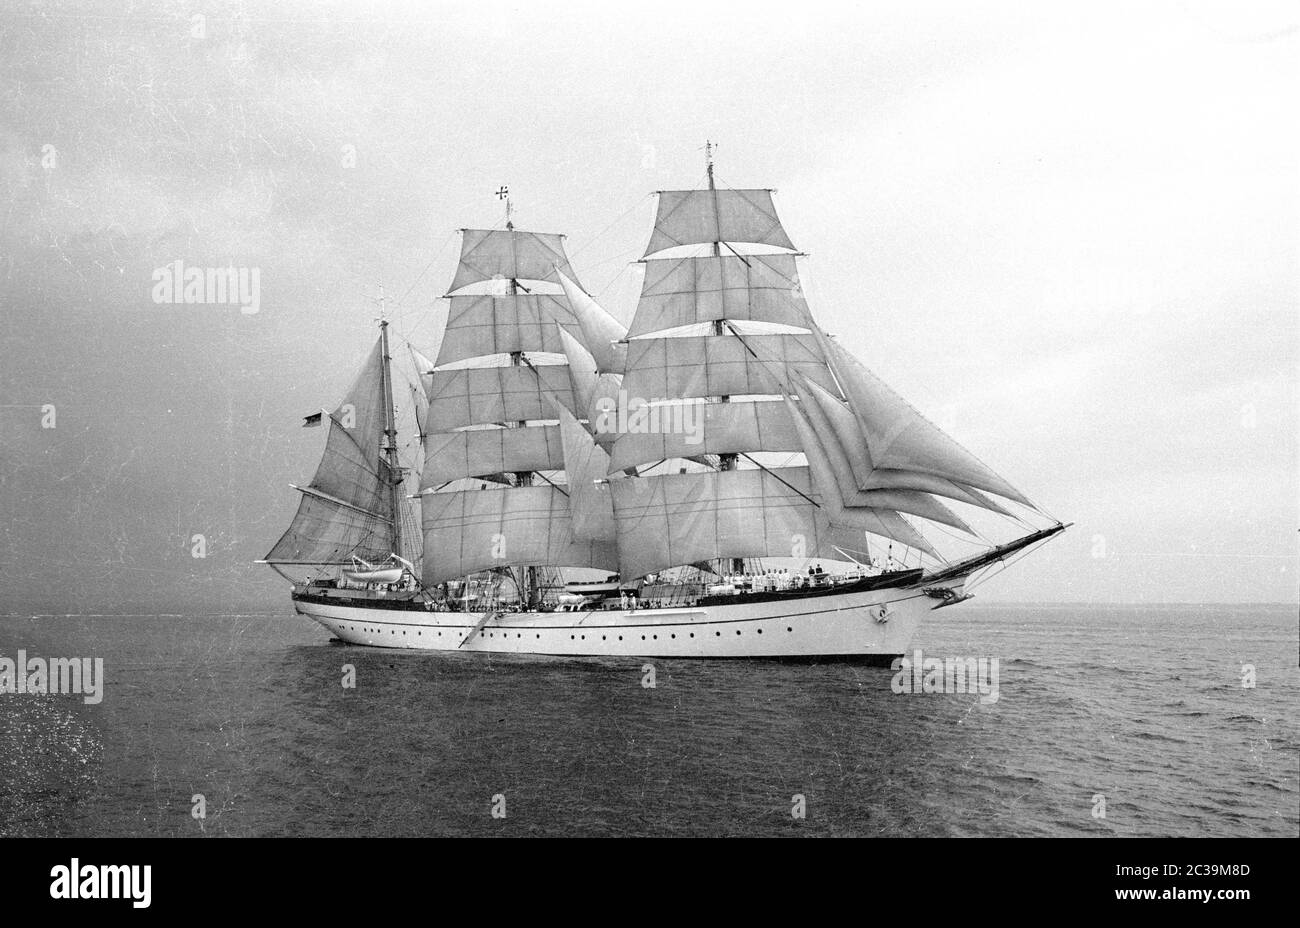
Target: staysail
899 438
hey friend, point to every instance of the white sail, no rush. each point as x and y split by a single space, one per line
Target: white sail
423 366
494 395
324 533
482 324
601 332
494 254
692 429
419 394
450 456
846 428
884 522
419 410
691 217
591 506
842 422
675 519
683 291
900 438
592 390
902 500
471 530
721 365
346 508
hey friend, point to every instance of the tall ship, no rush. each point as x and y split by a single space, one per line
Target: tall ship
719 479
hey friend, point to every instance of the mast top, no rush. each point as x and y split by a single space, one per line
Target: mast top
708 160
503 193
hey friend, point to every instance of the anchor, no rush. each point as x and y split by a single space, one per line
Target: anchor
948 595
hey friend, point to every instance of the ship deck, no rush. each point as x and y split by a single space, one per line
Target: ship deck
418 601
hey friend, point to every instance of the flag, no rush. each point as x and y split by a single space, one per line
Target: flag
312 420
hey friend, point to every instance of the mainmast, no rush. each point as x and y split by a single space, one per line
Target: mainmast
390 434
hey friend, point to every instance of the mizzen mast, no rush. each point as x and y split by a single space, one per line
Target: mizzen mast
390 432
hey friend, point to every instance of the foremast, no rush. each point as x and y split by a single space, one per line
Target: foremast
771 383
727 460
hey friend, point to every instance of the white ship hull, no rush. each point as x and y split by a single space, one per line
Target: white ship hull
832 625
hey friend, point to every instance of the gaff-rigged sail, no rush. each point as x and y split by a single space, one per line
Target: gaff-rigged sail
346 510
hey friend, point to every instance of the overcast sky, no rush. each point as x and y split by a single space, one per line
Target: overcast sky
1068 235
